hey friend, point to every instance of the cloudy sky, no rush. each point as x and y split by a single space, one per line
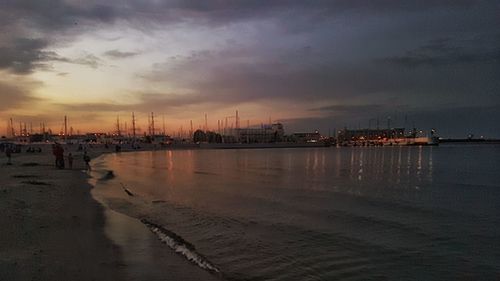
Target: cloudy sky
309 64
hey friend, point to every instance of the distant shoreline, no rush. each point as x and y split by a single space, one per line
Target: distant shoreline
471 141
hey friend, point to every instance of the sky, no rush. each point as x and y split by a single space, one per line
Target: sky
311 65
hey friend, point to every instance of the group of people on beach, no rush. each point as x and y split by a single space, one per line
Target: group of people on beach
34 149
58 152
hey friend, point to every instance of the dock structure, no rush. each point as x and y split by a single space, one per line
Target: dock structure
383 137
369 134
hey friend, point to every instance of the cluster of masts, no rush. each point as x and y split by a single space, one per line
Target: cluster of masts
27 129
225 126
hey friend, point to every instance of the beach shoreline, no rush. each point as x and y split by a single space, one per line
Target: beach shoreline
54 229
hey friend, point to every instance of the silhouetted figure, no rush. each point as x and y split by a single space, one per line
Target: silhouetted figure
86 159
70 161
58 152
8 153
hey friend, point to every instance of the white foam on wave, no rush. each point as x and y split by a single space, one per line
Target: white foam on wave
180 246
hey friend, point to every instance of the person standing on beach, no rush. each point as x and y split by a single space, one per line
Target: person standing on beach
8 153
70 161
54 151
58 152
86 159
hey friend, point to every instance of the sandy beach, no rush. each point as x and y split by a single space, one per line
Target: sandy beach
52 229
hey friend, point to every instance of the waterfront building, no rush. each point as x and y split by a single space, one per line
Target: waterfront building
369 134
265 134
306 137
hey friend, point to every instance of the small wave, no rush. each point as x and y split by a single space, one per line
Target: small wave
126 190
108 175
181 246
205 173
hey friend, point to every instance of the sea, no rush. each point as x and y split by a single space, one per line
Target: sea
347 213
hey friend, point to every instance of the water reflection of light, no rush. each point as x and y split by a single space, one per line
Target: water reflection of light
352 163
398 171
338 162
149 156
408 162
381 167
419 163
266 164
323 163
393 163
360 170
308 163
315 161
193 161
170 160
430 165
245 163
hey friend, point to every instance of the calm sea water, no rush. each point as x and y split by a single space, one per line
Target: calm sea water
368 213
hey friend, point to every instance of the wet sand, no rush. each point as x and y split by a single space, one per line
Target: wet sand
52 229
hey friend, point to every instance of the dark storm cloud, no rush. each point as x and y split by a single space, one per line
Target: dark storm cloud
53 19
117 54
222 12
442 52
54 15
349 108
231 77
29 28
23 55
239 75
14 96
362 115
59 15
